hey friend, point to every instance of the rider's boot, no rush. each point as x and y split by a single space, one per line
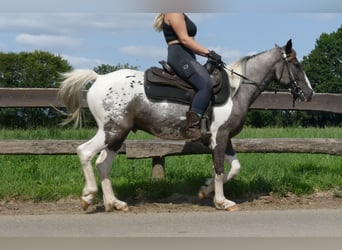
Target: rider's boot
193 128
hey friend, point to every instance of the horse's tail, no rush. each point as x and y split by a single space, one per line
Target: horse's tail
70 92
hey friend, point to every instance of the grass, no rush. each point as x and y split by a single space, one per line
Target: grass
46 178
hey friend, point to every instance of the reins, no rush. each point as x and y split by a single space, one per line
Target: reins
256 84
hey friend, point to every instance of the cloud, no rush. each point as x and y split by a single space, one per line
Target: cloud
144 51
83 62
228 55
109 6
105 6
71 23
48 41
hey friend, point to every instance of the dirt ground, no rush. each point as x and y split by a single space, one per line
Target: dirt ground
175 204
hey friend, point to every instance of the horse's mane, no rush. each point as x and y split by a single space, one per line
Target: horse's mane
246 58
238 67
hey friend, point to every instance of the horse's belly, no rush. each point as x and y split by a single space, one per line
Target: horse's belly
164 120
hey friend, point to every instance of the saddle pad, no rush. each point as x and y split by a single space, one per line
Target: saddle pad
162 86
158 88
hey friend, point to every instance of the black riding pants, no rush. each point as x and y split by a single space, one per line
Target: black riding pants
184 63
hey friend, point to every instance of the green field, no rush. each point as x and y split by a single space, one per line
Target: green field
47 178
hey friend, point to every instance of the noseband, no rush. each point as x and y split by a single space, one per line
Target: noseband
294 89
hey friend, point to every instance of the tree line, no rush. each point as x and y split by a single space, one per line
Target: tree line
41 69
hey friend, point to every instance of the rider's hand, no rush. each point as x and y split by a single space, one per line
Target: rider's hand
214 56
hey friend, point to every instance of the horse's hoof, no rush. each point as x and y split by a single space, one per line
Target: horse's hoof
232 208
84 204
124 209
201 194
226 205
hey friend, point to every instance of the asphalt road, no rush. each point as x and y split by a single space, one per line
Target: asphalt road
288 223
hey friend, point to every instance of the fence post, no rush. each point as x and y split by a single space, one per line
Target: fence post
158 167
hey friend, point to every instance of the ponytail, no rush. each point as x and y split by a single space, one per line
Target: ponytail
158 22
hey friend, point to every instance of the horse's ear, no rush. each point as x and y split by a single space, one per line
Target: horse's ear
288 47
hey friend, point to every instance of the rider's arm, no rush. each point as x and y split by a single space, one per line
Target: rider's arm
177 22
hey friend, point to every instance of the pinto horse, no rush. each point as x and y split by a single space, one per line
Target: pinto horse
119 105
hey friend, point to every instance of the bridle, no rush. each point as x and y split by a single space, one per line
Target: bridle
294 89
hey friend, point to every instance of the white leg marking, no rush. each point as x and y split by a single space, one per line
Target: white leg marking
104 165
210 183
234 169
86 152
220 200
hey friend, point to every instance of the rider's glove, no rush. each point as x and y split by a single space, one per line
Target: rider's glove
212 55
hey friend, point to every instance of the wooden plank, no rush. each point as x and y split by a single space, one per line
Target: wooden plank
41 97
159 148
136 149
289 145
320 102
41 147
31 98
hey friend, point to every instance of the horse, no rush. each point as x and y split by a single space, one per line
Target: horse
119 105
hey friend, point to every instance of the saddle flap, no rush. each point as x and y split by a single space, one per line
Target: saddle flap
160 76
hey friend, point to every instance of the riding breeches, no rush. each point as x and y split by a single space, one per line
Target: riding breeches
183 62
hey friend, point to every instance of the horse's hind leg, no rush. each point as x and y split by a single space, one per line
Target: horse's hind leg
104 165
86 152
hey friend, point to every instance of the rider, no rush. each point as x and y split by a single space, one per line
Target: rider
179 32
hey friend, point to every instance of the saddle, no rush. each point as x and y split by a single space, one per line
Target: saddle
163 84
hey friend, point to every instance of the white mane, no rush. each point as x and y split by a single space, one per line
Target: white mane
234 80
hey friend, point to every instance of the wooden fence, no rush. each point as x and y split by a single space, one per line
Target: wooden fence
159 149
38 97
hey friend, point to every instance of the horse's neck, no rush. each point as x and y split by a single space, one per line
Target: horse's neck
259 70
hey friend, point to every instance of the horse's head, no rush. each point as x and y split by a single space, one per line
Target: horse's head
289 72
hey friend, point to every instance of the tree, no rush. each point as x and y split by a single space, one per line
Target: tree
324 64
106 68
324 69
36 69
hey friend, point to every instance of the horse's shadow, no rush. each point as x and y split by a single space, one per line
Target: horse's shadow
146 193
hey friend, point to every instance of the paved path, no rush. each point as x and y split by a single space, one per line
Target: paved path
289 223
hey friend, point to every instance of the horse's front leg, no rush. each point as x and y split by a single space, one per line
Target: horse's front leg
220 201
104 165
231 159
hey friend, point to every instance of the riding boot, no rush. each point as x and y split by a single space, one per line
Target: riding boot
193 128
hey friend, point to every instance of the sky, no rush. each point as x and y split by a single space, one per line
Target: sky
91 33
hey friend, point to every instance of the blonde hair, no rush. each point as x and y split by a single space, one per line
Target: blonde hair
158 22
